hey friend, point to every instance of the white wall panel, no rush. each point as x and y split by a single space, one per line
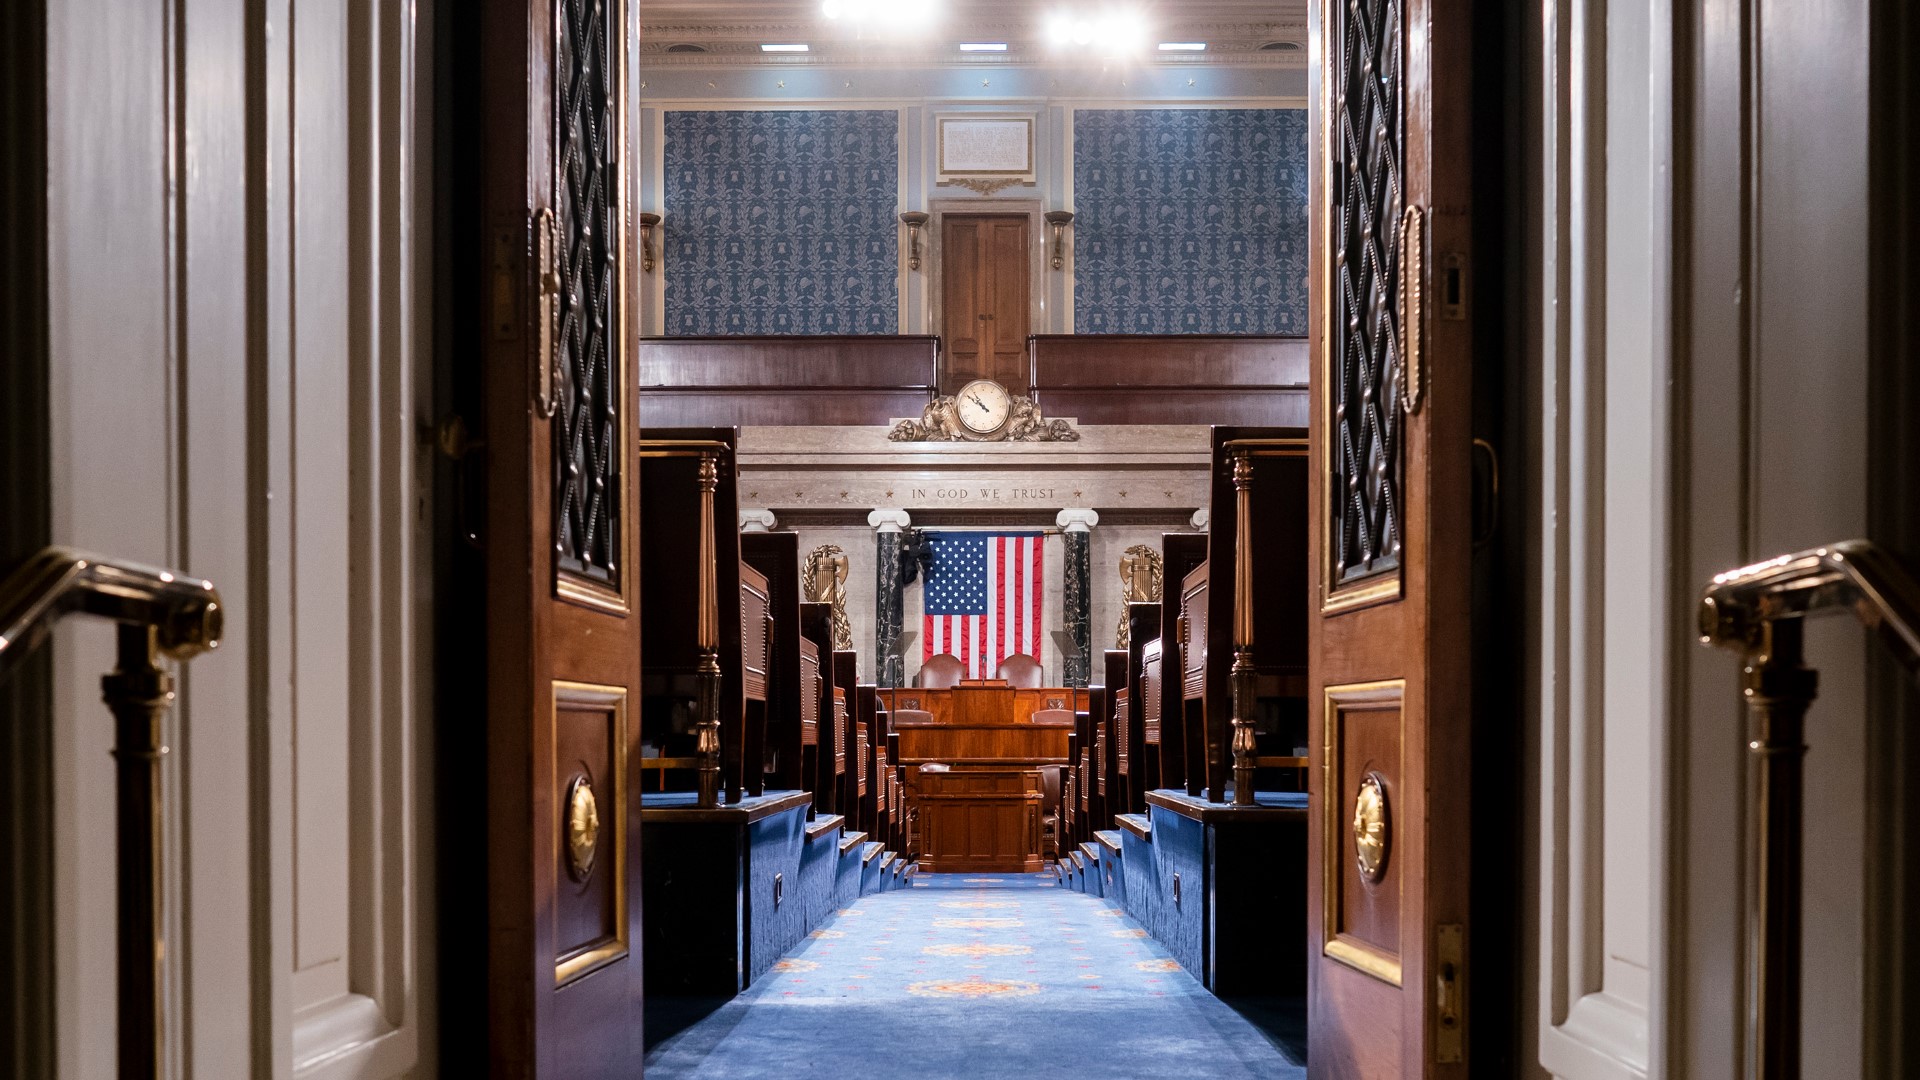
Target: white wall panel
233 269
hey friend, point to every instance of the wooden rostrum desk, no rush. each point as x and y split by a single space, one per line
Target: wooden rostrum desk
981 812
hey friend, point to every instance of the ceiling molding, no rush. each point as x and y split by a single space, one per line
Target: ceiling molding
1232 38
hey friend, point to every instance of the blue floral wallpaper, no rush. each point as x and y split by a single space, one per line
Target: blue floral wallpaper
781 222
1190 221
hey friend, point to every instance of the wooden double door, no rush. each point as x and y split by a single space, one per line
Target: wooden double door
1392 563
986 299
544 621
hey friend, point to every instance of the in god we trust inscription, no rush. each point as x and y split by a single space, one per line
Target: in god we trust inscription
983 495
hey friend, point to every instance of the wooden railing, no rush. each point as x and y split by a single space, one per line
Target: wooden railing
161 614
1760 611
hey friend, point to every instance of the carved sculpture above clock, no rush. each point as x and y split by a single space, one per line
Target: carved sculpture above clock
983 411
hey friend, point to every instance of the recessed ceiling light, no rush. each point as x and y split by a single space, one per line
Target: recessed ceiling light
783 48
1183 46
983 46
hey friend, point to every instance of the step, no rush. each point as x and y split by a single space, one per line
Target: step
1109 841
848 842
1140 825
824 825
872 850
1091 852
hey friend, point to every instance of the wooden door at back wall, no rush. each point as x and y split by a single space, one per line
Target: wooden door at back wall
985 299
562 629
1391 555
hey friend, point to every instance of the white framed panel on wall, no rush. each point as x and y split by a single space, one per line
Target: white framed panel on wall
1603 642
989 149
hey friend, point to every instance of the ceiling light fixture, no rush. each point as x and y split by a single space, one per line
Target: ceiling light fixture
1111 32
783 48
983 46
1183 46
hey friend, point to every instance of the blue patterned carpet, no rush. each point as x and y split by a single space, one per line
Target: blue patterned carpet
982 976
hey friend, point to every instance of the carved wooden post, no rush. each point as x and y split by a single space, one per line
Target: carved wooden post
138 694
707 676
1243 678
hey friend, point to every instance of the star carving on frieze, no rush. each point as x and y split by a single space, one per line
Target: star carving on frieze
889 494
1168 494
1123 494
1079 494
753 494
844 494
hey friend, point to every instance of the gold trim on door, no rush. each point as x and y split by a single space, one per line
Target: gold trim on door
612 830
1336 815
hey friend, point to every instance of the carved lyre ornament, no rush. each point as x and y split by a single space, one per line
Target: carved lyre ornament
824 580
1142 578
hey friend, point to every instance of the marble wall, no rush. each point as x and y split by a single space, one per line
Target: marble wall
1190 221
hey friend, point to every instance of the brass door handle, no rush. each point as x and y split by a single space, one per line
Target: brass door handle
546 395
1413 307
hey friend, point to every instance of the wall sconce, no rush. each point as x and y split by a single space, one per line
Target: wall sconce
1058 220
914 220
648 223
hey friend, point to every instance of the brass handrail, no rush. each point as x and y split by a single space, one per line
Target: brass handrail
184 611
1760 610
160 613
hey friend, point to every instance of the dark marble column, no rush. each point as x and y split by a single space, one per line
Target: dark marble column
889 604
1078 608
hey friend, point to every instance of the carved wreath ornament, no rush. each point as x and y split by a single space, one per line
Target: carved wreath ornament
941 423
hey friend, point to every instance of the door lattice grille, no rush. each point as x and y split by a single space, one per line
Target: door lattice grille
587 468
1365 186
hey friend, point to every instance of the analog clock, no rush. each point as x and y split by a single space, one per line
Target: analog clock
984 406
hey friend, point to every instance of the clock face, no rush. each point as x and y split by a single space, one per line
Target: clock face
984 405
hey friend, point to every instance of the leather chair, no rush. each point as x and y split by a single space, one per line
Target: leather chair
1020 670
942 671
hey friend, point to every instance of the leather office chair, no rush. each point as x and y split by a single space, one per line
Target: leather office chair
942 671
1020 670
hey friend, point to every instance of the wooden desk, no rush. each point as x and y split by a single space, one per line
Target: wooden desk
978 818
985 702
1028 743
985 814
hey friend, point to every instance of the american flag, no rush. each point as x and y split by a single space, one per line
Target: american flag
983 599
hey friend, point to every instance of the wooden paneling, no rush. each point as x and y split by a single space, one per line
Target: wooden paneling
590 908
1170 379
1362 735
768 381
985 301
984 705
791 696
948 743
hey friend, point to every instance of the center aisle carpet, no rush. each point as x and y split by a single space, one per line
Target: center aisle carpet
975 976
